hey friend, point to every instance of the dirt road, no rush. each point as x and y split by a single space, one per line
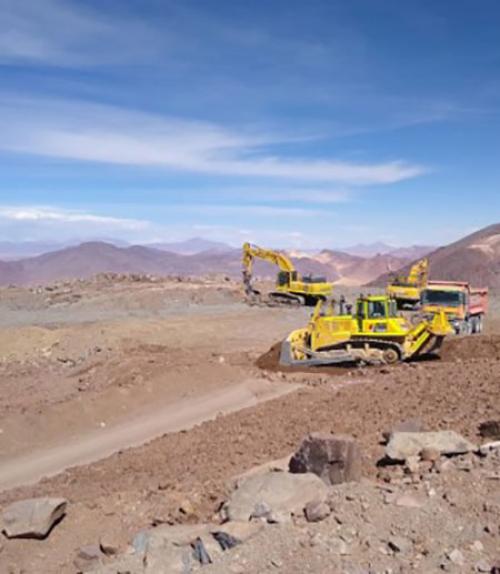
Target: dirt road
181 415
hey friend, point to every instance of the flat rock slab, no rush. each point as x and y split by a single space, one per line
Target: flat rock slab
282 493
32 518
403 445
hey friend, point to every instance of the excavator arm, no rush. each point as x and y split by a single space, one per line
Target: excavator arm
251 252
419 273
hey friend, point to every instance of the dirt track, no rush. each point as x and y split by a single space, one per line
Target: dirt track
215 349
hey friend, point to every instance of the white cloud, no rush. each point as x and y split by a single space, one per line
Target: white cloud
34 215
97 133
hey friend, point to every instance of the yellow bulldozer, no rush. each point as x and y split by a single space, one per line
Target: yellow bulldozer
291 287
406 291
374 333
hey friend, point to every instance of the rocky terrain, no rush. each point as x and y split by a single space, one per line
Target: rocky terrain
111 387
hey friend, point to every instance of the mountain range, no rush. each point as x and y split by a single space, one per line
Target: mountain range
475 258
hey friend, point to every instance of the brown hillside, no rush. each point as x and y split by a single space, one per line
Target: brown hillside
475 258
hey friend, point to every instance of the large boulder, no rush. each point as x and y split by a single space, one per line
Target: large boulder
334 458
32 518
281 494
404 445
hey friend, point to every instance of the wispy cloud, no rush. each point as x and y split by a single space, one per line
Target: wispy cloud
34 215
58 32
97 133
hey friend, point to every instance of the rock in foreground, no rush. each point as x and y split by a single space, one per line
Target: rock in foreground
334 458
32 518
281 494
407 444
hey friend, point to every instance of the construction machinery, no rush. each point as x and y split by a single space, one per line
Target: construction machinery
406 290
465 306
291 287
374 333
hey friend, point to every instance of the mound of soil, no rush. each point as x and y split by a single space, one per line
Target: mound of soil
467 348
270 361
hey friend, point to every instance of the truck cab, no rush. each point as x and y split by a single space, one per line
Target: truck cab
464 306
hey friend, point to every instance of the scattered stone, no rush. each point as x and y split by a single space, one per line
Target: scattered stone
408 501
33 518
109 544
338 546
412 464
430 454
456 557
90 552
409 425
400 544
283 493
240 531
403 445
186 507
490 429
488 447
316 511
477 546
482 566
334 458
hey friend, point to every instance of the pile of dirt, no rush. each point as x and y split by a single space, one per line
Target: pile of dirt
470 348
270 361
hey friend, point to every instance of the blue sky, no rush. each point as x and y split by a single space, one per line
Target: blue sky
289 123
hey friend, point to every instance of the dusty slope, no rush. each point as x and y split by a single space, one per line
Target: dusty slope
475 258
147 485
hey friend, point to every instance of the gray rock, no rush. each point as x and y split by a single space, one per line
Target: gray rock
400 544
482 566
408 501
32 518
409 425
316 511
456 557
241 531
407 444
489 447
490 429
90 552
285 494
334 458
338 546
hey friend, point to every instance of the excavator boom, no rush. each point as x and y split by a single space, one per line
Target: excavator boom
406 290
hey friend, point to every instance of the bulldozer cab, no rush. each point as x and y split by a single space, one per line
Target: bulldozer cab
373 310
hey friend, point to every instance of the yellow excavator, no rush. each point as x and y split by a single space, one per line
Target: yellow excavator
406 291
291 287
374 333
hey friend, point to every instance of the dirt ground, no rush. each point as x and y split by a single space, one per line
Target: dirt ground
81 359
